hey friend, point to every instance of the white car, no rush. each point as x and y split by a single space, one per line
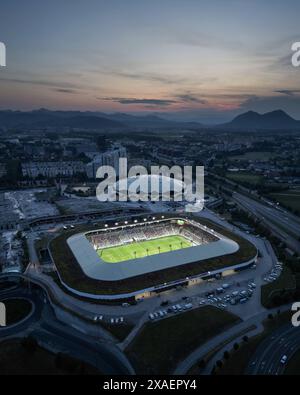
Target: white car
283 359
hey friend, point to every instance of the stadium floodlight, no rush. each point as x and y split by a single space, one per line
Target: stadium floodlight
126 222
145 219
116 223
163 216
135 221
106 225
153 218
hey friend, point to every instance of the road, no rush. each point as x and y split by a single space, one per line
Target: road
266 360
284 224
58 337
250 314
31 319
231 335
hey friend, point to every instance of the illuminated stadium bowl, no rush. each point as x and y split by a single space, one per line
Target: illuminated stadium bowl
137 256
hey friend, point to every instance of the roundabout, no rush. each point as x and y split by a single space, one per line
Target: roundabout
17 310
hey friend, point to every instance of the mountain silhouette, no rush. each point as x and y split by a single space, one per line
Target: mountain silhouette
273 120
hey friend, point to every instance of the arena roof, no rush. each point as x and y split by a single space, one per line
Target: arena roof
95 268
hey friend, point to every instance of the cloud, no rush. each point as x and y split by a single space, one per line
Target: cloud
191 98
204 40
151 102
288 92
63 90
146 76
42 82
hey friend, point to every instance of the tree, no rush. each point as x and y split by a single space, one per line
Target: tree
202 364
226 355
236 346
219 364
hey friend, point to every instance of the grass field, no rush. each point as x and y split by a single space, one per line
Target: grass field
16 310
286 280
293 365
289 198
160 345
15 359
143 248
244 177
264 156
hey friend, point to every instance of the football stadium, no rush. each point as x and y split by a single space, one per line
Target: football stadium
134 257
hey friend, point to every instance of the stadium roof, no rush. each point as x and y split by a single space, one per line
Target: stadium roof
94 267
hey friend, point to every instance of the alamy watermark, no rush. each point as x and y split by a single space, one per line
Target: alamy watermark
2 314
162 184
296 315
296 55
2 54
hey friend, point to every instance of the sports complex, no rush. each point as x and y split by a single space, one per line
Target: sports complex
141 255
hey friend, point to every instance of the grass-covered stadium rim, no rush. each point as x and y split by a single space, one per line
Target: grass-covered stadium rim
75 280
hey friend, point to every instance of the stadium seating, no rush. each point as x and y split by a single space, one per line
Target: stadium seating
149 231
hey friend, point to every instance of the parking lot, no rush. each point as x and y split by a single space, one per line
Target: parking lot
224 296
274 273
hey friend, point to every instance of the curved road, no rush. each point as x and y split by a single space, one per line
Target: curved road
54 335
266 360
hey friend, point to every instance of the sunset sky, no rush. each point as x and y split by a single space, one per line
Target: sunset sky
186 59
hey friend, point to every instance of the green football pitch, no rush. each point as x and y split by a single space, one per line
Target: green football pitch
143 248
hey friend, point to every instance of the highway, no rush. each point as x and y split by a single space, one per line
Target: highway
285 225
266 360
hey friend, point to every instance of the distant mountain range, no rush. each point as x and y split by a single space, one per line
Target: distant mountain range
85 120
55 119
43 118
273 120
